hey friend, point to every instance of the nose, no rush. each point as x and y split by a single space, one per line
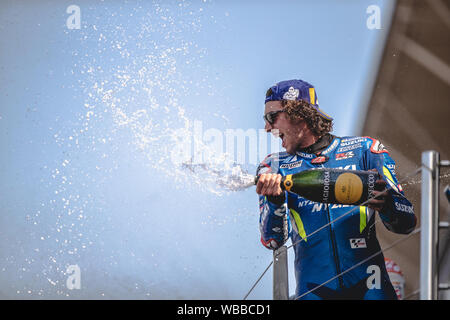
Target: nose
268 127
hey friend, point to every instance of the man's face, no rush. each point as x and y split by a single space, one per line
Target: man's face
292 134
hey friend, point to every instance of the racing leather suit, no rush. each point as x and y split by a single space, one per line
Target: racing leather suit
341 245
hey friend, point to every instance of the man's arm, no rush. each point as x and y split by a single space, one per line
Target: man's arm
273 223
395 210
274 218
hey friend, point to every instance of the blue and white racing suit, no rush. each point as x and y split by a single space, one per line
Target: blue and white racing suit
341 245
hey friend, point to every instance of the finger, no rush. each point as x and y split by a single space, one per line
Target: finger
279 190
261 182
376 208
274 185
376 202
266 184
374 170
380 185
378 194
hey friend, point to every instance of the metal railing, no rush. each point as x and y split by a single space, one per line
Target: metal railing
429 237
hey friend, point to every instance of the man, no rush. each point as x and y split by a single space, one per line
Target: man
292 113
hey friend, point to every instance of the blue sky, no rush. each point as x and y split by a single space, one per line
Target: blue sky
86 123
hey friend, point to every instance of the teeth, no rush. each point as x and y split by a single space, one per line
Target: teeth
276 133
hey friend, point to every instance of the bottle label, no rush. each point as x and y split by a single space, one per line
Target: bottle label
348 188
326 186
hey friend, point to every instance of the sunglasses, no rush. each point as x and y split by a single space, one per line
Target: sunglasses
271 117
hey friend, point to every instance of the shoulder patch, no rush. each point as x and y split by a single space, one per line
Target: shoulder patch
377 146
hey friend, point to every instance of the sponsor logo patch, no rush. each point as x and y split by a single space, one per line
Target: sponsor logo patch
276 229
391 167
319 159
345 155
281 211
348 167
305 155
348 148
358 243
291 165
404 208
331 147
291 94
347 142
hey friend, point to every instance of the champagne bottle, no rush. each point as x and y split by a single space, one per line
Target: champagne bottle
329 185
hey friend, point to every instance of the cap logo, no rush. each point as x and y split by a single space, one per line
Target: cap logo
291 94
312 95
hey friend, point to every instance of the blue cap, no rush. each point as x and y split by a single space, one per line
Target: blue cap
295 90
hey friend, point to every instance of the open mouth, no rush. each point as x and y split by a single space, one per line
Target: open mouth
281 135
278 134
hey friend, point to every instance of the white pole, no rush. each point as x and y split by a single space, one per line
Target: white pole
280 274
429 225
